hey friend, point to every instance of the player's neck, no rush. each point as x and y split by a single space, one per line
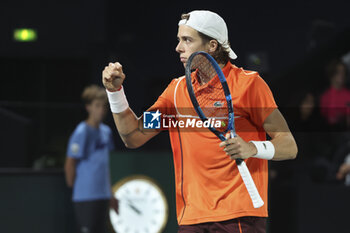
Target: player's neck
203 81
92 122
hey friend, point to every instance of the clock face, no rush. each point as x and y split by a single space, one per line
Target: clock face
142 206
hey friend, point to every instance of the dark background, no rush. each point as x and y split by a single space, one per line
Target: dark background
41 82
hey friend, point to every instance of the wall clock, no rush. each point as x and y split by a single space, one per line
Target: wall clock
143 207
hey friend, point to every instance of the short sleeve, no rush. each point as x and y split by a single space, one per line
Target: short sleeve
77 143
260 102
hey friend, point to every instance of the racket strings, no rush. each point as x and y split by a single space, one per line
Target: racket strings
205 71
210 95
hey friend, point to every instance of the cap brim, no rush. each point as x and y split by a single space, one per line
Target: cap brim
232 54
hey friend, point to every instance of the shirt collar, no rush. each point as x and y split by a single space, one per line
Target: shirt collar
225 70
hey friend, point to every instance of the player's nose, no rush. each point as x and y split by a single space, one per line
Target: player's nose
179 48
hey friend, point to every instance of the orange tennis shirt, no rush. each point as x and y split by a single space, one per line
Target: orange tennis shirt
209 187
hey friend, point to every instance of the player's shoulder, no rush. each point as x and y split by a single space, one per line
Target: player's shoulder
173 85
80 129
105 128
246 76
177 81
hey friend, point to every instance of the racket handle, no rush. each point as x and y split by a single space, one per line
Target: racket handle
248 180
250 185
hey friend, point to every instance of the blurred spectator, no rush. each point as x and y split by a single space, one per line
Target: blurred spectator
335 101
308 129
87 165
344 170
335 108
307 119
341 163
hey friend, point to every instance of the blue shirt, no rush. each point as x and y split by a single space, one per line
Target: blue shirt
90 147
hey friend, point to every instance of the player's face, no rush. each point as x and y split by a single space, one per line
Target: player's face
97 110
189 42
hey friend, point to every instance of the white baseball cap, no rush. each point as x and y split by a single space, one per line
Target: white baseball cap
210 24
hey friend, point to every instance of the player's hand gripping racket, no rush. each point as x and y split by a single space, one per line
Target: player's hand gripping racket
213 100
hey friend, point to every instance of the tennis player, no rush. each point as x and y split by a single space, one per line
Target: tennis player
210 194
87 165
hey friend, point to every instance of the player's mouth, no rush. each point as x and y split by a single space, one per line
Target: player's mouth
183 59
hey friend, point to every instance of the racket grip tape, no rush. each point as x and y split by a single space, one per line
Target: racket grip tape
250 185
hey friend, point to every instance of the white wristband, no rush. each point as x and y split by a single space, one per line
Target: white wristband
266 149
117 101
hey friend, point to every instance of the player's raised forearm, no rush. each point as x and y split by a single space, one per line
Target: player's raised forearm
130 129
128 124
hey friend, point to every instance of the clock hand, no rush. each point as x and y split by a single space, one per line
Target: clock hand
133 207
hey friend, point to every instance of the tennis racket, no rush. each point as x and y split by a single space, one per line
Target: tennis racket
213 100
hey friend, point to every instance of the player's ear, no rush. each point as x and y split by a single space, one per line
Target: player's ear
213 45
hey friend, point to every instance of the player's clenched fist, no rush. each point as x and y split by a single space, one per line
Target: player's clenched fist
113 76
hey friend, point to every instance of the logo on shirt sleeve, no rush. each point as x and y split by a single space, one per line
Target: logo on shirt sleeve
75 148
151 120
